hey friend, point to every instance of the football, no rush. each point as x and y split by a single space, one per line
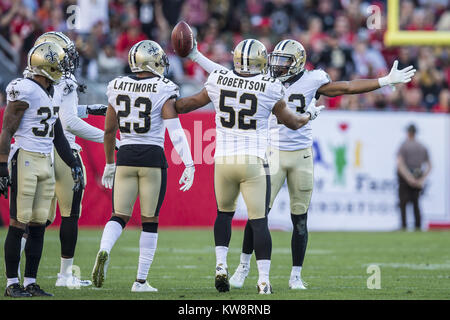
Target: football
182 39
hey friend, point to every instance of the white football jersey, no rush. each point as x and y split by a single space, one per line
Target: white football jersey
138 103
299 94
67 97
243 106
35 132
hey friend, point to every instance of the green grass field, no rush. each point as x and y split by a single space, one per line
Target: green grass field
413 266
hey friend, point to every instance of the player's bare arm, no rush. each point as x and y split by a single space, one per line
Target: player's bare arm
188 104
396 76
11 120
288 118
111 127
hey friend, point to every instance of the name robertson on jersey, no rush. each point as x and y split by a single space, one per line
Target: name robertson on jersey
135 86
241 83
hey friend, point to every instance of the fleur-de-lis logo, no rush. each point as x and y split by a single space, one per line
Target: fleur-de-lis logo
68 89
13 93
51 56
153 51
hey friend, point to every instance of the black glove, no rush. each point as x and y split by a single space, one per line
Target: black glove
78 179
96 109
5 180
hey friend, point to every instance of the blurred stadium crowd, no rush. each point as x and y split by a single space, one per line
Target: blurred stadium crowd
333 32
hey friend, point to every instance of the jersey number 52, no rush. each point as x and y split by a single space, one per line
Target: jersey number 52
242 122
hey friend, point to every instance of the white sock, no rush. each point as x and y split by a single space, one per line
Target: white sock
111 233
245 258
221 256
11 281
28 281
66 267
263 270
23 241
22 245
147 248
296 272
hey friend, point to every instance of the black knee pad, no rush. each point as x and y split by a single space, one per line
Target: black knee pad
299 223
68 235
150 227
119 221
33 250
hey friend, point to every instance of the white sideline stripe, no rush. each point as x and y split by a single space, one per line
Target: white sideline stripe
413 266
211 249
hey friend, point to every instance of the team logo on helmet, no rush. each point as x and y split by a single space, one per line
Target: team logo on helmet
153 51
51 56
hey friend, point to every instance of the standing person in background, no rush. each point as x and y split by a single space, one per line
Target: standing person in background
411 157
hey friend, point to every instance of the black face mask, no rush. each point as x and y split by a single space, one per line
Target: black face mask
278 71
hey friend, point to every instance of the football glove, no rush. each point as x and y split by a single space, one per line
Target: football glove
108 175
194 51
97 109
397 76
78 179
5 181
187 178
313 110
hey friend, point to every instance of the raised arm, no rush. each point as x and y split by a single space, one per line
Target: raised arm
179 141
396 76
188 104
208 65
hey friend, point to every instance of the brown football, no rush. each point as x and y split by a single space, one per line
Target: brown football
182 39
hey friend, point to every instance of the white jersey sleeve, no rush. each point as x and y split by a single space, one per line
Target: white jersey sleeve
320 78
19 90
68 113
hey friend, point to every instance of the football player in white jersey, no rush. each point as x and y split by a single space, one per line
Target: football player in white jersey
293 147
31 117
244 98
141 107
68 200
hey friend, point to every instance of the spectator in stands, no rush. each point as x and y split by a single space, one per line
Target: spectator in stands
413 167
109 66
128 38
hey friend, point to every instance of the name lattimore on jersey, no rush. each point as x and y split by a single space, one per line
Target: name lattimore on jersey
135 86
241 83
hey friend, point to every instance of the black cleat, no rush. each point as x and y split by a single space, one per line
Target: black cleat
221 282
36 291
16 291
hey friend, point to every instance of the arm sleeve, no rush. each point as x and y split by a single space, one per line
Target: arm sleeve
70 121
82 111
179 140
208 65
62 146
